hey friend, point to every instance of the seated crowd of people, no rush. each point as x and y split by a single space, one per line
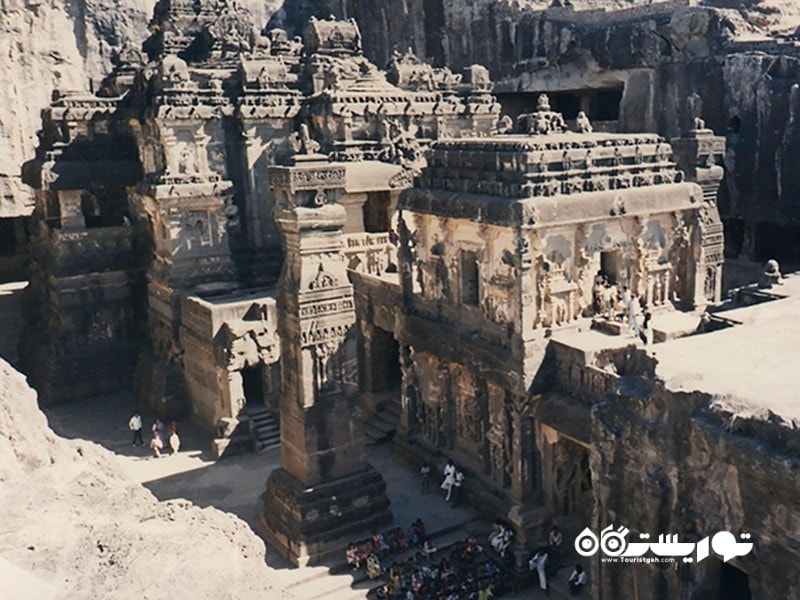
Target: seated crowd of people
466 573
369 552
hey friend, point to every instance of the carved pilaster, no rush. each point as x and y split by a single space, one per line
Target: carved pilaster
322 444
699 154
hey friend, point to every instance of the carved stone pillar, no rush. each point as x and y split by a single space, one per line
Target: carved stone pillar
71 211
699 154
325 494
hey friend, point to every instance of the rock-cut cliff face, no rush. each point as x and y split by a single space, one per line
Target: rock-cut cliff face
48 44
72 528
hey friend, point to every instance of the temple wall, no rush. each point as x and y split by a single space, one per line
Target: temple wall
676 463
82 316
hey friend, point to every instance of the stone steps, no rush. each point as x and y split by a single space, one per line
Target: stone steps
380 426
266 427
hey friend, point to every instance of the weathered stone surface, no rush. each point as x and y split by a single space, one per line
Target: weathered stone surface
71 521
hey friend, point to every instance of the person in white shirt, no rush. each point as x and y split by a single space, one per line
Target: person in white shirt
538 563
135 425
577 581
556 537
449 479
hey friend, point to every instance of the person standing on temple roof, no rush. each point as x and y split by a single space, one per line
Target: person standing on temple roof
156 445
135 425
630 304
646 333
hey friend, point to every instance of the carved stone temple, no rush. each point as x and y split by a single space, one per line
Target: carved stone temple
196 221
289 244
502 238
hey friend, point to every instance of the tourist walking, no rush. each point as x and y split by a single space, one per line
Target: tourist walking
425 475
555 538
458 481
538 563
135 425
449 479
158 430
174 442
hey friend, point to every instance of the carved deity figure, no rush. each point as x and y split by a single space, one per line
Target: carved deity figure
582 123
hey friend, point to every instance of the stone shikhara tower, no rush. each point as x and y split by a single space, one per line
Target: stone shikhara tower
325 490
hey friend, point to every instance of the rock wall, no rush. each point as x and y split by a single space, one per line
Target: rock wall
46 45
72 523
683 463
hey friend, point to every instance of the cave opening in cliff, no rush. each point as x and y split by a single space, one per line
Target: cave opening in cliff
734 583
781 242
600 105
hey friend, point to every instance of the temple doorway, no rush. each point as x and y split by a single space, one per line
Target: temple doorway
384 362
609 265
253 386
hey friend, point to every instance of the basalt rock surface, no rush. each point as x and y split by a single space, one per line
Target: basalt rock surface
73 528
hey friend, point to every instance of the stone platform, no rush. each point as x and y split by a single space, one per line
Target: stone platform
314 525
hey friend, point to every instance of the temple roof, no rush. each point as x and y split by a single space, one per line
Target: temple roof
560 209
549 165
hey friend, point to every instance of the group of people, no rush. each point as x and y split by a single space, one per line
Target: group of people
465 574
613 303
162 436
539 563
369 552
452 483
500 537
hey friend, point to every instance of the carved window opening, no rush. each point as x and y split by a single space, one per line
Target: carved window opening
604 105
202 232
106 207
376 212
470 287
52 209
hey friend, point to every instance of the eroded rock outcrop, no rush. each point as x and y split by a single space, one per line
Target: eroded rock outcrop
72 522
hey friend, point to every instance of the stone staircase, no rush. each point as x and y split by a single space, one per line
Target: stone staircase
379 427
266 428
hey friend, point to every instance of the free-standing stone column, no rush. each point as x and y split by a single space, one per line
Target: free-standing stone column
325 494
